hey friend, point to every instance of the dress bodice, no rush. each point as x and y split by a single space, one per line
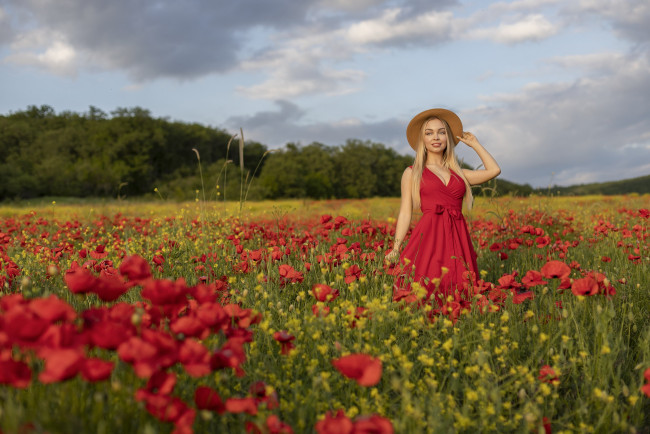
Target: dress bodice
434 193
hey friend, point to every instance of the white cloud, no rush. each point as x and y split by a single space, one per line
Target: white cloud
46 50
629 18
424 29
529 28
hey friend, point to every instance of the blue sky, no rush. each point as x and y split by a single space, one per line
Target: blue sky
556 90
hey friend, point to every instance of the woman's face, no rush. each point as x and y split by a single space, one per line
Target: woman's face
435 136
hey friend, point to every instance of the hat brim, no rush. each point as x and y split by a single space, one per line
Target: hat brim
414 128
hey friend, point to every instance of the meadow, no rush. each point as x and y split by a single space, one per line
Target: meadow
276 317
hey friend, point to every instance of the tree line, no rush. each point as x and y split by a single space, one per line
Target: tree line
129 153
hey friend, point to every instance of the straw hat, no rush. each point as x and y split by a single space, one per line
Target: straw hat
415 126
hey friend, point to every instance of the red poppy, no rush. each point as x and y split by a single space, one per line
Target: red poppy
584 286
161 383
548 375
165 292
21 324
110 287
189 326
339 424
241 405
352 273
79 280
206 398
231 355
96 369
285 340
289 275
165 408
135 268
322 311
373 425
522 296
99 252
109 334
324 292
533 278
194 357
275 426
60 364
52 309
555 270
15 373
362 368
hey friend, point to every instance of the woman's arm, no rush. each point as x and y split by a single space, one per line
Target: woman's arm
491 170
405 214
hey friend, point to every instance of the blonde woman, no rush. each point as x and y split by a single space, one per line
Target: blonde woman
439 251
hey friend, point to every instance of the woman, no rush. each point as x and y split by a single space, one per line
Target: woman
439 253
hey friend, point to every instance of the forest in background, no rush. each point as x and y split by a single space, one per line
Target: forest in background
129 153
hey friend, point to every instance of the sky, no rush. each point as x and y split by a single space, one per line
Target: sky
558 91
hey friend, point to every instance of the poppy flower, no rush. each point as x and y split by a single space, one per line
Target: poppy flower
362 368
324 292
189 326
289 275
321 311
194 357
522 296
15 373
79 280
285 340
241 405
548 375
352 273
21 324
96 369
373 425
161 383
338 424
231 355
275 426
99 252
584 286
165 292
60 364
533 278
110 287
165 408
555 270
109 334
206 398
258 390
135 268
52 309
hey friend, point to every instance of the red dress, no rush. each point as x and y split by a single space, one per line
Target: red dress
439 239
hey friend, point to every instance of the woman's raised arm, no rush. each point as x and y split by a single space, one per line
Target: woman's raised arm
491 168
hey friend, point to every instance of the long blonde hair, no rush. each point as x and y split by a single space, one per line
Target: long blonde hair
449 161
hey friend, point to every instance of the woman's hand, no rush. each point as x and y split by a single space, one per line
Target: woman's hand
469 139
392 256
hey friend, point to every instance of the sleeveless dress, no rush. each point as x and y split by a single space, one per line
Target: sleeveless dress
439 240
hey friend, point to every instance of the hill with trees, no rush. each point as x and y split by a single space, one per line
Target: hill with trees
129 153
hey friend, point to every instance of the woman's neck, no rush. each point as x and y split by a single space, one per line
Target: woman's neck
434 160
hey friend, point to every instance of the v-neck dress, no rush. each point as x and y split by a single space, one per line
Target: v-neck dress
439 240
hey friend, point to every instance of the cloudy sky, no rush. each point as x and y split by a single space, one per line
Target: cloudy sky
557 90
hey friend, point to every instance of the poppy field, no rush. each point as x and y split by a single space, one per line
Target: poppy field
280 317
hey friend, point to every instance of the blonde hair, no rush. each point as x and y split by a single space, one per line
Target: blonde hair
449 161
